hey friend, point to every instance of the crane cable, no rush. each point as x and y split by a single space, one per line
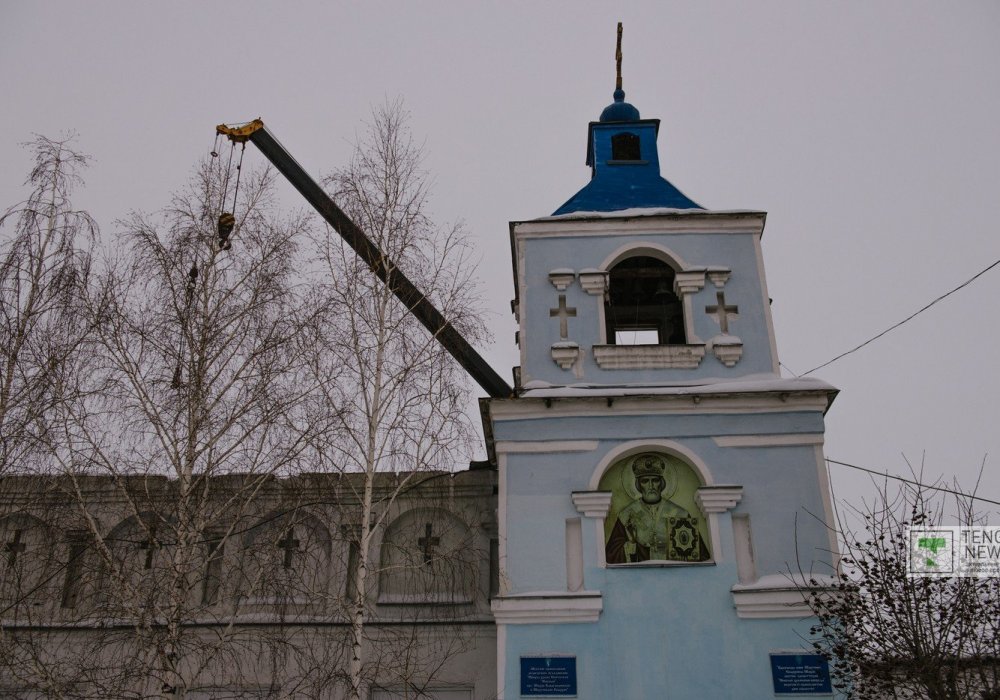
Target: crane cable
227 221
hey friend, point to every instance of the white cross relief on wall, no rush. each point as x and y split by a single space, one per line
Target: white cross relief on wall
564 313
722 312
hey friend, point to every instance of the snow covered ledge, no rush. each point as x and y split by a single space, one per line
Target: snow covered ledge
548 607
778 596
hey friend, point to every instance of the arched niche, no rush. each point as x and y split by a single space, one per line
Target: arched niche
28 558
285 560
654 514
428 556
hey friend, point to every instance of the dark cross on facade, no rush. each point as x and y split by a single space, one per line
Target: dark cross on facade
14 547
427 543
291 546
564 315
149 545
722 312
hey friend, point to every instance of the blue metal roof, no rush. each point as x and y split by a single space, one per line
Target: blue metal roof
617 184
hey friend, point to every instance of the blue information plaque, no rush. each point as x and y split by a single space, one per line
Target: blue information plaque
548 676
800 674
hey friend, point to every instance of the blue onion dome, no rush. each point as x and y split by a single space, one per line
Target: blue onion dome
620 110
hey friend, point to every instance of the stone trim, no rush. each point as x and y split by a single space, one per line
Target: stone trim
719 276
423 599
688 281
718 499
565 354
649 356
548 608
562 278
592 504
727 349
784 440
594 281
777 596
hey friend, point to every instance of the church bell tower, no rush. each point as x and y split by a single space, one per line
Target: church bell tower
660 482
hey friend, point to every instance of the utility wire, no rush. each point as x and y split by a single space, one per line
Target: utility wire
908 318
887 475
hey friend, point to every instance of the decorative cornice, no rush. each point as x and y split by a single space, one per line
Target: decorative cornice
565 354
562 278
543 446
680 222
553 406
778 596
689 281
789 440
648 356
719 276
548 608
728 349
718 499
592 504
594 281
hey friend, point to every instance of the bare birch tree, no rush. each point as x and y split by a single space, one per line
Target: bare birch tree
44 265
200 345
892 635
251 490
401 397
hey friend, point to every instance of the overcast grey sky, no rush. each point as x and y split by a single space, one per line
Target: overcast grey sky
867 131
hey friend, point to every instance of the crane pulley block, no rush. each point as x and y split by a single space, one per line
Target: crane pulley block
241 133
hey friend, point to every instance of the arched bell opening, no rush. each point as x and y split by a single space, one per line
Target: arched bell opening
641 307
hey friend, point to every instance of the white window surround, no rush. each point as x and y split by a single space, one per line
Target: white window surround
592 504
718 499
649 356
689 281
594 281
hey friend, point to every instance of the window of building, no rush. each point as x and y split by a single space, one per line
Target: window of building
625 146
641 307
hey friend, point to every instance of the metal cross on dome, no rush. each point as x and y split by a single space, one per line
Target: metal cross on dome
618 59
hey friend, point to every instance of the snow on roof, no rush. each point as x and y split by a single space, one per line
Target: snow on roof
760 383
642 211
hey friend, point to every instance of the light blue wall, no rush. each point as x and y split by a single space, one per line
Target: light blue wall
537 296
670 645
782 492
669 631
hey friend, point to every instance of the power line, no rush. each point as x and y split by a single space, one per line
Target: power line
908 318
887 475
